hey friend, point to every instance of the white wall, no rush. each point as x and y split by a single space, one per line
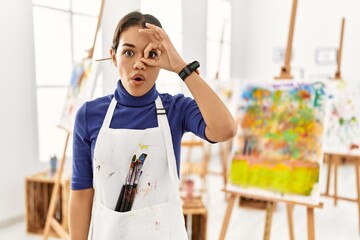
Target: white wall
18 127
194 14
194 35
260 26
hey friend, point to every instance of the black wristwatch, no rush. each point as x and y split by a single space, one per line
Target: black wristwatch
186 71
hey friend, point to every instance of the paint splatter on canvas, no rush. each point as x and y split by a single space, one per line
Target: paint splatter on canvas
280 138
343 126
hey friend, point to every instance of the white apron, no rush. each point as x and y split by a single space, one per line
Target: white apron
157 212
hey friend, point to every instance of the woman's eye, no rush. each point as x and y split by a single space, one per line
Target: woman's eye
128 53
152 54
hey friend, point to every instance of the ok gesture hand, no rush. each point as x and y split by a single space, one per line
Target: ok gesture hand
167 56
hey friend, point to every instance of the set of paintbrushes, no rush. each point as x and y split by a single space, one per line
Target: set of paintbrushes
128 190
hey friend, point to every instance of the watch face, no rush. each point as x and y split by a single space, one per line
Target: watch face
194 65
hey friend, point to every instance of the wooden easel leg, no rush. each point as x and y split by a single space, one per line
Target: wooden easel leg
269 212
227 216
328 177
289 208
51 210
50 220
358 188
311 224
224 155
336 164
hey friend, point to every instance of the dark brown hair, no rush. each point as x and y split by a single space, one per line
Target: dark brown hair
130 20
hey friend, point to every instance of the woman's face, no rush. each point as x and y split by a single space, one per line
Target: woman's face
136 77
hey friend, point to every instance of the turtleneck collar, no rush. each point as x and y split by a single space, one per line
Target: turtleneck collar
124 98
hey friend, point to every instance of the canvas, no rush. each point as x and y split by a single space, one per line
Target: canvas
81 89
279 148
225 90
342 135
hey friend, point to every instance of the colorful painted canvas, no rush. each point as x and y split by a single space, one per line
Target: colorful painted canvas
279 149
342 133
81 89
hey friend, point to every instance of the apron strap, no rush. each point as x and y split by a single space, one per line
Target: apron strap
164 124
109 114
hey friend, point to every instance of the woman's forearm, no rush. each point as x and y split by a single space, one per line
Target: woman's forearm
220 124
80 206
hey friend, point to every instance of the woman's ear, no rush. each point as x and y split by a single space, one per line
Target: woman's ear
113 56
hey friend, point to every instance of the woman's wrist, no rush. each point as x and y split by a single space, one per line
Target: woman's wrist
180 67
189 69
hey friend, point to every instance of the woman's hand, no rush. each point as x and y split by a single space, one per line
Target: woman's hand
167 56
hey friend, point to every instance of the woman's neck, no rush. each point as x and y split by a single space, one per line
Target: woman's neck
124 98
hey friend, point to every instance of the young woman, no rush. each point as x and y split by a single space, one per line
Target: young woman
135 120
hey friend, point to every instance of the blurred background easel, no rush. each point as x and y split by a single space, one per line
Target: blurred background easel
285 74
336 160
51 221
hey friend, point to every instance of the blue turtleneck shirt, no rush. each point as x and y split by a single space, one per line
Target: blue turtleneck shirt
130 113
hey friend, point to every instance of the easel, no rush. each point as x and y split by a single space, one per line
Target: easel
338 58
269 212
220 50
225 147
285 73
194 210
51 221
200 168
332 157
225 150
335 159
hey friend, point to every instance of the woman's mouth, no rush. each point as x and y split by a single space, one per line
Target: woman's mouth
137 79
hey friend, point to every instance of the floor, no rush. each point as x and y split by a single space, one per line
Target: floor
331 222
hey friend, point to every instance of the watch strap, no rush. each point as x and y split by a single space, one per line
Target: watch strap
186 71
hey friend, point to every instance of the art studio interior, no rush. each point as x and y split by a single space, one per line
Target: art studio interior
258 102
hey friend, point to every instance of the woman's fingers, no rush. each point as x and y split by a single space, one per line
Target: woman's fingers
167 57
151 32
152 50
158 32
150 62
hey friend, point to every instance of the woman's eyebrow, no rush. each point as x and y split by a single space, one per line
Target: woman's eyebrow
128 45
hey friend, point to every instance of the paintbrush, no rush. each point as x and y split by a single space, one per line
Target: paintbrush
132 191
128 190
125 185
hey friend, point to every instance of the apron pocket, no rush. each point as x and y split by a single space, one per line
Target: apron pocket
151 223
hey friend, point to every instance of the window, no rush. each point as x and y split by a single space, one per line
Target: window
63 31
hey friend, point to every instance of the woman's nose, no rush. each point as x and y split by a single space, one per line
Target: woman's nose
139 65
